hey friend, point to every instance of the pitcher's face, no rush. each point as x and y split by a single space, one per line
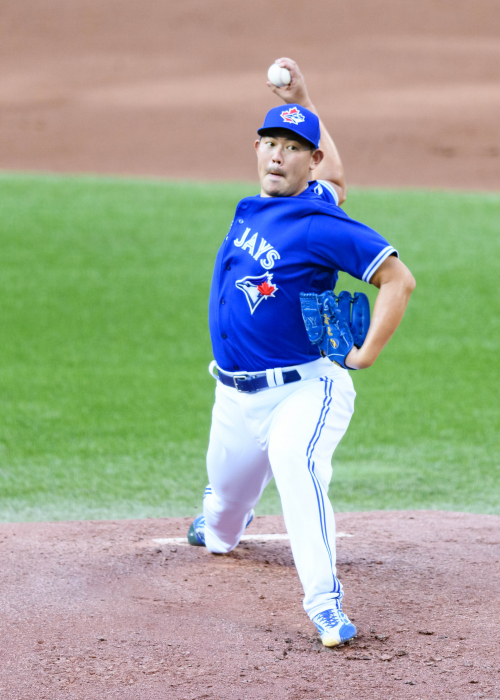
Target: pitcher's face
284 165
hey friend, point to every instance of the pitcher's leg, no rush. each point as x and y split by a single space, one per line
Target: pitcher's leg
238 471
307 429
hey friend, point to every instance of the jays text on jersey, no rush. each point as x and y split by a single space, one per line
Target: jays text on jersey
276 248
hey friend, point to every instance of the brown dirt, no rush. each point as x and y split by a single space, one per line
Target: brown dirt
410 90
94 610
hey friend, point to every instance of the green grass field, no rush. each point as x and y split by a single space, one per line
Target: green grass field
105 398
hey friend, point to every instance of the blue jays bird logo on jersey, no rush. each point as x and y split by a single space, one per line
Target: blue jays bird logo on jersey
257 288
292 116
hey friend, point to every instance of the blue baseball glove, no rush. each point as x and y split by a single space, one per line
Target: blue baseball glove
336 323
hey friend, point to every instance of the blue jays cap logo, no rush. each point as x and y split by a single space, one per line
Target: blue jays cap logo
256 289
292 116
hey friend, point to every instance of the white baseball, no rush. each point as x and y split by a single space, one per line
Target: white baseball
280 77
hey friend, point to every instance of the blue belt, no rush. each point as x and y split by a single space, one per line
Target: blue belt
249 383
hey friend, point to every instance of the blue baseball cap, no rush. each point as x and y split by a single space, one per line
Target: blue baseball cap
294 118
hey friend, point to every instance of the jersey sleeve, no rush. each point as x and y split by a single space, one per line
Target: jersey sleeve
327 192
341 243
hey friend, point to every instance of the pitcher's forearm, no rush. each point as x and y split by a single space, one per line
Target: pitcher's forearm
395 283
388 312
331 167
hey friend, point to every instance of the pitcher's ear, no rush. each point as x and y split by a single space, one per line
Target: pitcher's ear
316 158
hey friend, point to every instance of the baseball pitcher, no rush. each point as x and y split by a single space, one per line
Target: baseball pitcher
283 341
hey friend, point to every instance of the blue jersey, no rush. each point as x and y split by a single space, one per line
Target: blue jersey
276 248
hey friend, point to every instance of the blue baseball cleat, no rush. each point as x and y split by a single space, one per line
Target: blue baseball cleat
196 533
334 627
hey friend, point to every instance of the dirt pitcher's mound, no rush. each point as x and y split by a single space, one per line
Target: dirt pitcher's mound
94 610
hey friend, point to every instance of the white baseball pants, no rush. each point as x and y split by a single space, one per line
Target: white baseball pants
289 432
